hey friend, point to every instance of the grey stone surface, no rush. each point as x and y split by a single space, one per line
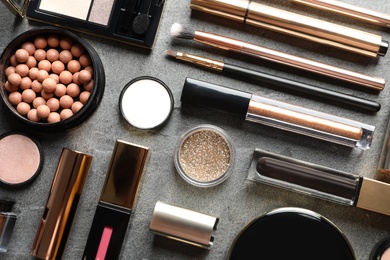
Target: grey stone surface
236 201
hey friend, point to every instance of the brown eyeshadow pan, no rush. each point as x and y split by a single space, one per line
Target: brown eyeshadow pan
20 159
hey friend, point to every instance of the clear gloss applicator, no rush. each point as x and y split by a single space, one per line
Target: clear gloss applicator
278 114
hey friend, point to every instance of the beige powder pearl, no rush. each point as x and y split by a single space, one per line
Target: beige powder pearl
15 98
14 79
66 77
85 76
40 54
77 50
53 117
21 55
22 70
53 40
74 66
65 56
85 60
32 115
42 75
33 73
89 86
9 70
23 108
66 101
31 62
40 42
28 95
39 101
10 88
84 96
60 90
29 47
46 95
73 90
49 85
36 86
43 111
55 77
52 55
76 106
25 83
57 67
53 104
65 113
44 65
13 61
66 43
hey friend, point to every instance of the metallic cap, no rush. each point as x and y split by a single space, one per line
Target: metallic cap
375 196
183 225
124 174
234 10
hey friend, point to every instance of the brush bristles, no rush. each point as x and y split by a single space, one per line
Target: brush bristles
179 31
171 53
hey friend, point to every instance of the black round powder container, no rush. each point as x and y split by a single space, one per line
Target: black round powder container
291 233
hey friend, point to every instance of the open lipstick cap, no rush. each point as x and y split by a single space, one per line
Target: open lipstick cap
183 225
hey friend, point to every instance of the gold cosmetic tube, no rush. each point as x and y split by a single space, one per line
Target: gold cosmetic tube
297 25
342 8
61 205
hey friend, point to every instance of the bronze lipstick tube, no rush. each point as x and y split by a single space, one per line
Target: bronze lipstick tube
297 25
342 8
61 205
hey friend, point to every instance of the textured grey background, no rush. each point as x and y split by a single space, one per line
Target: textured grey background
237 201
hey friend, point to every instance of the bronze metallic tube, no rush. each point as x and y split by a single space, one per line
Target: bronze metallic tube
349 10
289 23
61 205
226 43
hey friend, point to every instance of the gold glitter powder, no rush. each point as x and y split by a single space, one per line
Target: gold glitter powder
204 155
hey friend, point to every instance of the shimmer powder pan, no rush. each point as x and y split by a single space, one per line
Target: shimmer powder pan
21 159
291 233
204 156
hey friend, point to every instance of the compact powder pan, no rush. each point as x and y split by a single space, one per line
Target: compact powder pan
291 233
146 103
21 160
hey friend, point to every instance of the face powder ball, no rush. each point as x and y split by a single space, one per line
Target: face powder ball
20 159
205 156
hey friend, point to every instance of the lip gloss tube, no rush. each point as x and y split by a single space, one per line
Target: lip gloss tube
116 202
278 114
316 30
320 182
61 205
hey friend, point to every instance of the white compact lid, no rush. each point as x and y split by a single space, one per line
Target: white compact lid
146 102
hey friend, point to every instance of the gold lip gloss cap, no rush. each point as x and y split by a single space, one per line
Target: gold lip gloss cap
61 204
374 196
183 225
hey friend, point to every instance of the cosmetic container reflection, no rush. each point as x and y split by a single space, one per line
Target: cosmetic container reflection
278 114
320 182
7 223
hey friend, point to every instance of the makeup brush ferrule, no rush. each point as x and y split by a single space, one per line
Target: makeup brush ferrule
204 62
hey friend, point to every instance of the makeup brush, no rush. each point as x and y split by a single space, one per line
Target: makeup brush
233 70
222 42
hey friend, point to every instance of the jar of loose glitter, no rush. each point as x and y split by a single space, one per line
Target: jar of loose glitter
204 156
